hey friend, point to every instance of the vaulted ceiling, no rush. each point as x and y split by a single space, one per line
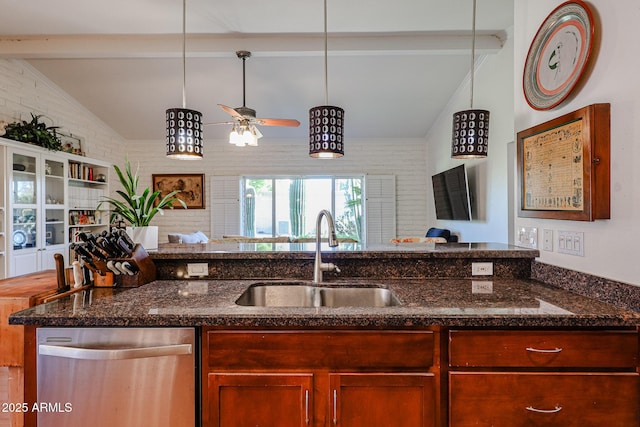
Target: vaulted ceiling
392 65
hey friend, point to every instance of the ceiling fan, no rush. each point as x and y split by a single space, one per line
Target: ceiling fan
244 122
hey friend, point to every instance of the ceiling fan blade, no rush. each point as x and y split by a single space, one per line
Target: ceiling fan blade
231 111
278 122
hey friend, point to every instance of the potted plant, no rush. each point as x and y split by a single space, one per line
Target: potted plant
34 132
139 208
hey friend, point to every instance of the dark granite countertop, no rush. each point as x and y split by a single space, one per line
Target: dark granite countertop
266 251
425 302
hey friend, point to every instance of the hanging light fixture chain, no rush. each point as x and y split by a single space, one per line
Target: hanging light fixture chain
473 49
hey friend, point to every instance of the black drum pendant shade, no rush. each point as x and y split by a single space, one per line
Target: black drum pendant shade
184 126
184 134
326 126
470 134
326 122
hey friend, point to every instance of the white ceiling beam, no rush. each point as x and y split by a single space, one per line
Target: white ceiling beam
216 45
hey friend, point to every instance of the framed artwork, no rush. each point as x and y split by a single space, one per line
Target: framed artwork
563 166
191 187
558 55
71 143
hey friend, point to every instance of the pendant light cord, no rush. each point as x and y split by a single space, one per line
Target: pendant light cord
184 54
473 49
326 72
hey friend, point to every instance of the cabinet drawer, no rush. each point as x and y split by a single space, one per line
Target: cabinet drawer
509 399
541 349
319 349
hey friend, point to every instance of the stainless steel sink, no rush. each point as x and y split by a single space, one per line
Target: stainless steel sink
300 294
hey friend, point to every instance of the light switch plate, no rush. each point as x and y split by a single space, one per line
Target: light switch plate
528 237
571 242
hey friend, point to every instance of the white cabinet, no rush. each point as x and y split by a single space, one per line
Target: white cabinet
37 210
87 185
46 199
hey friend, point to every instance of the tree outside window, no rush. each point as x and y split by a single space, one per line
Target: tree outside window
288 206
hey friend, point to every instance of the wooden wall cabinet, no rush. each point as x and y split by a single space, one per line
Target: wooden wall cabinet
546 378
319 378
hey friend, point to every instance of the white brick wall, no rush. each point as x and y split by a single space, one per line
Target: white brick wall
404 158
23 90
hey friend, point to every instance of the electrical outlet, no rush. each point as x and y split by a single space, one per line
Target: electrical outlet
571 242
196 269
528 237
482 269
547 240
481 287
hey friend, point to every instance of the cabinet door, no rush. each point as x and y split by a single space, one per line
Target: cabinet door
382 400
260 399
522 399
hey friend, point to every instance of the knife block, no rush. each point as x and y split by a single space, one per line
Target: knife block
147 269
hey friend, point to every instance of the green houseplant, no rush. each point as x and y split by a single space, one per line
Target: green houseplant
34 132
138 209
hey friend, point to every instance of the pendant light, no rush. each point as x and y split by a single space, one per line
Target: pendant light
326 122
184 126
470 133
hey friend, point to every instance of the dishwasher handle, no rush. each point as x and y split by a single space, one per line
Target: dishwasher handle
114 354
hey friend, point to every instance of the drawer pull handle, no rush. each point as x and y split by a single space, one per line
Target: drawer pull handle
544 411
540 350
335 407
306 406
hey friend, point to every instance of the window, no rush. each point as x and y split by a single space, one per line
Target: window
288 206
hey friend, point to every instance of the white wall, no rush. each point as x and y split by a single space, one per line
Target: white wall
23 90
610 245
493 91
402 157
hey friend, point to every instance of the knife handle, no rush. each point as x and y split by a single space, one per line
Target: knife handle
59 261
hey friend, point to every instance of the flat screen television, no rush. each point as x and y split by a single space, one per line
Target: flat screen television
451 194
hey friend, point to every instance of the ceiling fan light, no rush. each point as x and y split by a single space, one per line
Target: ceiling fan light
253 138
183 134
326 127
248 139
234 136
470 134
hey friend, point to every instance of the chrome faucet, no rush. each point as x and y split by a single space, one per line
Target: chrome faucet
320 266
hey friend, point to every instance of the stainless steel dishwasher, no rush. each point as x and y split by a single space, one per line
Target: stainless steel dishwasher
125 377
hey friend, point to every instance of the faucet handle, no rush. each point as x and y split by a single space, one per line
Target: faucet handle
331 267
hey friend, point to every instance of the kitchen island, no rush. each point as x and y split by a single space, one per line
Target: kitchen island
454 348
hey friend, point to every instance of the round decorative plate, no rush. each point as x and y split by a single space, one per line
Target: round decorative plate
558 55
19 238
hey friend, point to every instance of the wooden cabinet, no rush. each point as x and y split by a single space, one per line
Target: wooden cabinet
256 399
382 400
319 378
543 378
17 294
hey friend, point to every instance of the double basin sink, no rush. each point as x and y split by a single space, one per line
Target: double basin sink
303 294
